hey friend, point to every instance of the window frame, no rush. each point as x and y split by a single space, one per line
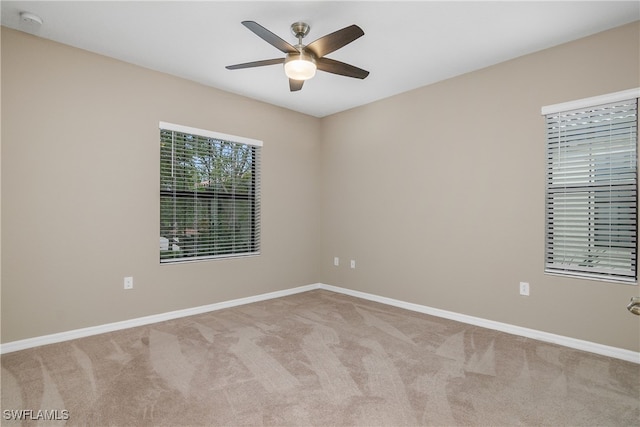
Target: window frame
575 272
194 196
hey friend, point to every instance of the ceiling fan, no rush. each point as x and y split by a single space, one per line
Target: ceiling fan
301 61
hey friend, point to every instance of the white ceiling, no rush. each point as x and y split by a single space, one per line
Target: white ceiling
406 44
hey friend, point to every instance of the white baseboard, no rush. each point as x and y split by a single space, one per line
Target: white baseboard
604 350
618 353
141 321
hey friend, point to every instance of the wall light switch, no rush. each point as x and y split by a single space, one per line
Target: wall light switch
336 261
353 263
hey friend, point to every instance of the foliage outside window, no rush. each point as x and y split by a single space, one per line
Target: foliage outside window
591 188
209 194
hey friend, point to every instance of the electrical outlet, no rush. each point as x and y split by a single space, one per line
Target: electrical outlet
353 263
336 261
128 282
524 288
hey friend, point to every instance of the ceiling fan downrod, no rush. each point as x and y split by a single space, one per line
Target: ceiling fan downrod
300 30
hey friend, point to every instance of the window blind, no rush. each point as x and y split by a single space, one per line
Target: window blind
209 194
591 192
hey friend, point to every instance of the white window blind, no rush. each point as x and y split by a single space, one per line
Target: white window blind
591 191
209 194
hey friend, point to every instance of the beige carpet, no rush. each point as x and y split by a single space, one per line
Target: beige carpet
317 358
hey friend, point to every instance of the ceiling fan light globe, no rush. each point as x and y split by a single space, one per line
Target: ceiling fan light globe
300 66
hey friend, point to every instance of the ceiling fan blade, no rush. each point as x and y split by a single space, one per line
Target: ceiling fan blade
269 37
337 67
295 85
255 64
334 41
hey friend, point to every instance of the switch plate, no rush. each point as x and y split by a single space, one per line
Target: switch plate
524 288
128 282
353 263
336 261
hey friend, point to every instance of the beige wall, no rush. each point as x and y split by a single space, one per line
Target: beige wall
438 193
80 201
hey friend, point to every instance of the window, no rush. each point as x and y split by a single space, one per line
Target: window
591 187
209 194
